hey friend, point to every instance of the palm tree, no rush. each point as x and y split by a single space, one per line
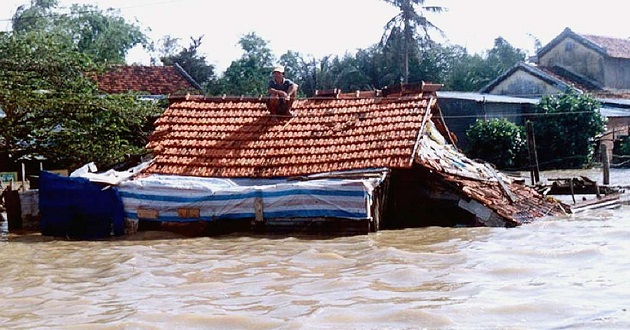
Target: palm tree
408 21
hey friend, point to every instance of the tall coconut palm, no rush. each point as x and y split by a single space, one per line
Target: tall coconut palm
409 20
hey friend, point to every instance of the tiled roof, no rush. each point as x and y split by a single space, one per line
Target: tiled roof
547 77
154 80
522 205
584 84
561 79
608 46
614 47
239 138
571 79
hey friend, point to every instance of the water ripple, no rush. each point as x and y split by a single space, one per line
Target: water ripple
551 274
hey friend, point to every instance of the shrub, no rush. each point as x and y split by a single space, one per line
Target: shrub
565 127
499 142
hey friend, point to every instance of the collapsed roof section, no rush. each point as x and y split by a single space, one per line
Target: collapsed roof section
495 199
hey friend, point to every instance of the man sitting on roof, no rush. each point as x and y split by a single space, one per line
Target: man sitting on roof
282 92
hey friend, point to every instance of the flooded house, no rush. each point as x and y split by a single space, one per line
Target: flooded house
341 163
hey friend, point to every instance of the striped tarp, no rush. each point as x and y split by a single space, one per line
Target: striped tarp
186 199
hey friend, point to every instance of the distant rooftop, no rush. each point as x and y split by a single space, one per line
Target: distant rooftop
153 80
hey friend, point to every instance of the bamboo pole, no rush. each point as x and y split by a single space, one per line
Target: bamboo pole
533 156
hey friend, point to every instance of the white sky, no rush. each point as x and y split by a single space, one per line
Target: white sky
334 27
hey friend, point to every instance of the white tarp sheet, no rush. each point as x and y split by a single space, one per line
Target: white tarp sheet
112 177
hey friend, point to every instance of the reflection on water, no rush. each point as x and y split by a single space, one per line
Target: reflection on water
554 273
4 227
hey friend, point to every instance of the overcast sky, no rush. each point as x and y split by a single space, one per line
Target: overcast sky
334 27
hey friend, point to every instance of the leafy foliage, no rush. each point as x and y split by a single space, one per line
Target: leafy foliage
499 142
250 74
404 27
103 35
503 56
53 108
191 61
565 127
622 146
377 67
466 72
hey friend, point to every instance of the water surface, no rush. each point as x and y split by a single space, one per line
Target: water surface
556 273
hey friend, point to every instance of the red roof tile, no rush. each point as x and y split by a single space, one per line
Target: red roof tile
223 138
153 80
614 47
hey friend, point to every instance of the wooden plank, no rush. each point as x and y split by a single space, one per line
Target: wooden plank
188 212
502 184
608 201
533 155
145 213
258 209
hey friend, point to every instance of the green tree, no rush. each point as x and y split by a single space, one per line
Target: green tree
465 72
346 74
622 146
167 47
53 109
503 56
325 72
460 71
499 142
565 127
37 17
301 70
103 35
372 62
437 63
407 22
250 74
190 60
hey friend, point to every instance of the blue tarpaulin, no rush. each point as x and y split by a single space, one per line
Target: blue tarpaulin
77 208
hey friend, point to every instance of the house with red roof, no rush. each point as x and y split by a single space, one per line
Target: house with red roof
149 81
343 162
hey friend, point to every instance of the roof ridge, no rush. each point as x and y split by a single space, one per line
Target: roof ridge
186 76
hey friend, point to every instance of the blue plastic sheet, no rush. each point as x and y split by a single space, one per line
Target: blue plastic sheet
74 207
